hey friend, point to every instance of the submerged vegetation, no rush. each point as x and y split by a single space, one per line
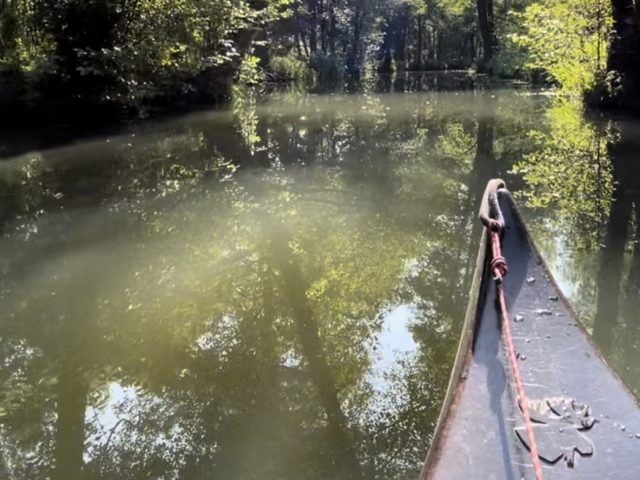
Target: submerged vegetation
146 51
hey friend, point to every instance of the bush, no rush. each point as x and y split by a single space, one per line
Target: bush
288 68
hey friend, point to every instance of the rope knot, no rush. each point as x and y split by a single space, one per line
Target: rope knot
499 265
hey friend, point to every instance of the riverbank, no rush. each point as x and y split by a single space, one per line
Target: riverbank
61 120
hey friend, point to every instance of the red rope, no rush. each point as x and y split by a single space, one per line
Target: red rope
499 266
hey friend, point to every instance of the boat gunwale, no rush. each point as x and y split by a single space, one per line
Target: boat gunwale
469 328
566 302
463 354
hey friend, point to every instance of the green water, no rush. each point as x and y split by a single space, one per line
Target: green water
277 292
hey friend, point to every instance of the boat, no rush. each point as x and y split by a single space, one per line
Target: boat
573 419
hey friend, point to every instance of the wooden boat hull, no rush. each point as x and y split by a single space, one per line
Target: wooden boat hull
586 422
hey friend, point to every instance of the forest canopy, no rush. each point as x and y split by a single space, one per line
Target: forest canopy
135 50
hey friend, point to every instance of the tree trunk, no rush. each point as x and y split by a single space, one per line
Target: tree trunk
71 405
298 35
487 33
418 64
624 53
353 62
332 29
439 47
400 39
610 273
313 27
295 287
324 27
612 254
384 53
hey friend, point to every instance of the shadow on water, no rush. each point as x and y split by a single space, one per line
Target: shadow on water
617 317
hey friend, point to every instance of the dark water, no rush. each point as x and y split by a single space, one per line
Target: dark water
277 292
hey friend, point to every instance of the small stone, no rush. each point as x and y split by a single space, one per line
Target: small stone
543 311
526 340
518 318
559 314
637 435
623 428
523 357
531 280
553 298
548 336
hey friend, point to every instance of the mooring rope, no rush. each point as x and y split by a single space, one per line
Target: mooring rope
500 269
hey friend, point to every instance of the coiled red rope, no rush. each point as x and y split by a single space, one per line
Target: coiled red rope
500 269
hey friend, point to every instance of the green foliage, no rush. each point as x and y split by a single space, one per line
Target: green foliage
243 100
570 169
24 44
128 50
567 39
290 68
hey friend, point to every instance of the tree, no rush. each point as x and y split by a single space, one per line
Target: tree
624 53
486 25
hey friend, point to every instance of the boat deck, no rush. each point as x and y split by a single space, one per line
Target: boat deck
587 424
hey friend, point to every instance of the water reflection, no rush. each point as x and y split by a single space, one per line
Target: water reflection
586 197
206 299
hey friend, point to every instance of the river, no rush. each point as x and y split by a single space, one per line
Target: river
276 290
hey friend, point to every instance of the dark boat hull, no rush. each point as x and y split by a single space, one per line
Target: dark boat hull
586 422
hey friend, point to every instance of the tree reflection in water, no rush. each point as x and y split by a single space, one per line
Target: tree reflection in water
585 194
195 302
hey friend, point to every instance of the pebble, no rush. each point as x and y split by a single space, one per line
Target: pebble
531 280
526 340
623 428
637 435
543 311
553 298
518 318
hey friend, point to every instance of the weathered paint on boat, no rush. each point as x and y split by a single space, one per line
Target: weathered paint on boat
587 423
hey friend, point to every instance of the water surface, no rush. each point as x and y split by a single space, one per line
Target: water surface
277 291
